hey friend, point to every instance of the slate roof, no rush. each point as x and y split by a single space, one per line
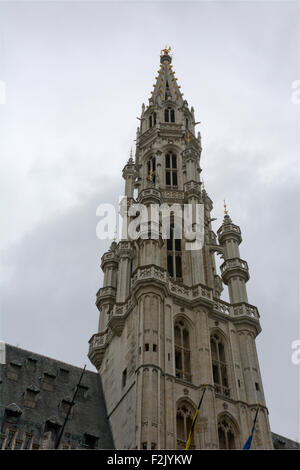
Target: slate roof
35 390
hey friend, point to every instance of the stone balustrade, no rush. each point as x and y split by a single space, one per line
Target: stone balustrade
234 266
245 309
172 194
97 346
228 228
105 293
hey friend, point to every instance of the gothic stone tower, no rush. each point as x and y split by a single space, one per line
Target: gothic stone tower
163 331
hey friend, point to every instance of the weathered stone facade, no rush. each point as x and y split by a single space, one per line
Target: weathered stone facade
35 395
163 331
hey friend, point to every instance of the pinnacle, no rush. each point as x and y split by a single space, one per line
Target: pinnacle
227 219
166 87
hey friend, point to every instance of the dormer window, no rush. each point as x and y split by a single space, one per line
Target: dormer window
169 115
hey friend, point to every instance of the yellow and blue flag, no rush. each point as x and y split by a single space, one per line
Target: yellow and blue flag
248 443
189 440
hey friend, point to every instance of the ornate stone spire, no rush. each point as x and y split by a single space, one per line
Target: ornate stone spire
166 87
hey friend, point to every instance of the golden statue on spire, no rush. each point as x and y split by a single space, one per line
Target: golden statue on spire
166 50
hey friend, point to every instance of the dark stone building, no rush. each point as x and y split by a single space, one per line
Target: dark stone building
35 395
283 443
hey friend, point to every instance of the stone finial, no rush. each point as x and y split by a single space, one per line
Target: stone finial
227 218
130 161
225 208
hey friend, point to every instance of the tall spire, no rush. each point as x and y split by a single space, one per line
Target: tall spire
166 87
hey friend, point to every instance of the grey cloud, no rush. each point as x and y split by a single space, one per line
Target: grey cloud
76 76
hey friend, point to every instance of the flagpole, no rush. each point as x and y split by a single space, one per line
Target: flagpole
248 443
69 410
189 440
258 406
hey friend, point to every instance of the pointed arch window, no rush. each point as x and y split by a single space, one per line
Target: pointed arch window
152 120
226 434
169 115
184 418
151 169
182 351
219 365
174 255
171 170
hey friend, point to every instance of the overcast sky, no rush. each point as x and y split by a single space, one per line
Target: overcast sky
76 74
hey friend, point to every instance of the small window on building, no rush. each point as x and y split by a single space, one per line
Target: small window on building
153 445
154 347
31 364
144 445
146 346
239 383
82 392
13 370
124 377
257 386
64 375
169 114
48 381
169 356
90 441
30 398
66 407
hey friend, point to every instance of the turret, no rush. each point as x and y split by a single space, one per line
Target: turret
129 176
234 270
